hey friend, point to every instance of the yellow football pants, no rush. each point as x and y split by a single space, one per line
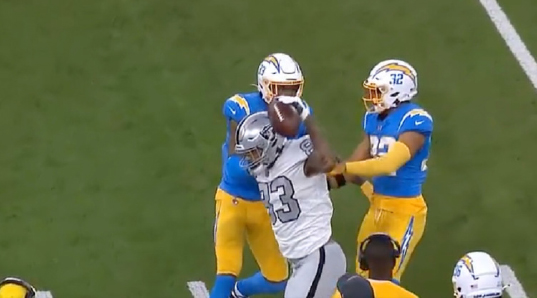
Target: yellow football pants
403 219
237 218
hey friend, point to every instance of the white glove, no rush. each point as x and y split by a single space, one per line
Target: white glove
297 103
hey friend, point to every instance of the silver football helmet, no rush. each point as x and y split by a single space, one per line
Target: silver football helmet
257 142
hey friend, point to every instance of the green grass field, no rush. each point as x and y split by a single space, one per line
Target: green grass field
111 129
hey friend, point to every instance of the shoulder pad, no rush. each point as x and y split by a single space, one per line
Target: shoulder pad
417 120
236 107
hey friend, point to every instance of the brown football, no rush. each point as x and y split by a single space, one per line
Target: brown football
284 118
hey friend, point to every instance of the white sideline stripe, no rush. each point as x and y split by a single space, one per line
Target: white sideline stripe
526 60
515 289
43 294
198 289
512 39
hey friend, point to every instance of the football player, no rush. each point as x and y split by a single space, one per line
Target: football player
477 274
394 152
12 287
378 256
293 186
239 210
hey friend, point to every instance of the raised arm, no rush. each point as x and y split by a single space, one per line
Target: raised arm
321 160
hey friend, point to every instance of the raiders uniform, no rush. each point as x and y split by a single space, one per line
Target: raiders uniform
301 210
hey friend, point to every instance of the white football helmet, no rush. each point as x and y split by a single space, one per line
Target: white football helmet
389 83
477 275
279 74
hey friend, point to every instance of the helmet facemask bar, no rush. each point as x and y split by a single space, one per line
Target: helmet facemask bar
271 90
373 96
252 158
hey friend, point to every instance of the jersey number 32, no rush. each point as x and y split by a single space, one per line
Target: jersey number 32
283 188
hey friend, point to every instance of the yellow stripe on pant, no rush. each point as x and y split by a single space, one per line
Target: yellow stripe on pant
403 219
236 219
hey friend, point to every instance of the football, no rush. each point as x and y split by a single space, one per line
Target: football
284 119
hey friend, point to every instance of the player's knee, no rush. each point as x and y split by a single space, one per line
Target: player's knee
228 271
225 266
228 260
274 282
275 276
275 271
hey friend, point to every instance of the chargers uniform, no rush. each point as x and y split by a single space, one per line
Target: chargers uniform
301 211
239 210
397 205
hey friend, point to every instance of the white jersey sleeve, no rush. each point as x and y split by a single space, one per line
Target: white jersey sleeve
299 206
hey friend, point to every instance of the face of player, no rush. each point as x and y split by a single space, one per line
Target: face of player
253 156
286 90
253 160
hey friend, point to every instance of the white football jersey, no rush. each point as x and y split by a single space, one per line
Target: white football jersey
300 207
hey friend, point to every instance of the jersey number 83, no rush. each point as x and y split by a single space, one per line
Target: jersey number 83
283 188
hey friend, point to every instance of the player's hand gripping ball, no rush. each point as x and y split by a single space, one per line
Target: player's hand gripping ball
284 118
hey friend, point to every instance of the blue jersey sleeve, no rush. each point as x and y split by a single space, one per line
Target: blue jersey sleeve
236 108
417 120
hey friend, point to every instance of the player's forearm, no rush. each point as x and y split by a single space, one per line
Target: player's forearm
357 180
397 156
319 143
340 180
335 181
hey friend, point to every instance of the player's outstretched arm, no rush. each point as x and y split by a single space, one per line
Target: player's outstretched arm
414 129
339 180
360 153
399 153
321 160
